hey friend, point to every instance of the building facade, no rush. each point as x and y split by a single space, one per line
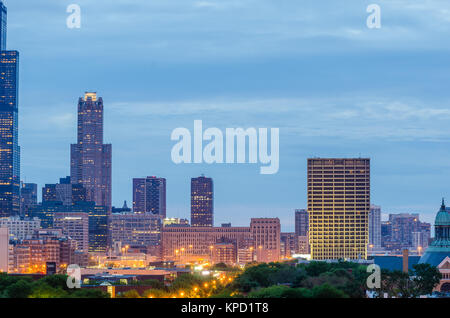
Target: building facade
266 235
90 157
76 226
20 228
338 207
375 227
190 244
9 134
202 202
28 197
136 229
149 196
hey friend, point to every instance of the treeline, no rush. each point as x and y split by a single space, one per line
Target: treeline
54 286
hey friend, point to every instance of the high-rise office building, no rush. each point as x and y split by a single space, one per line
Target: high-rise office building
375 227
301 222
28 197
3 25
65 192
9 146
202 202
149 196
338 207
90 158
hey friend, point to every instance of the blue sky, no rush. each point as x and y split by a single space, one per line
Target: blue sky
311 68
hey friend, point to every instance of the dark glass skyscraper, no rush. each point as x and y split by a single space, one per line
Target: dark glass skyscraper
9 146
301 222
202 201
149 195
90 158
3 25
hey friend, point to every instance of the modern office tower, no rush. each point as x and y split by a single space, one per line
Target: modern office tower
20 228
76 226
301 222
98 225
65 192
9 147
190 244
4 249
202 202
45 212
266 234
91 159
136 230
338 207
28 197
375 227
149 196
3 26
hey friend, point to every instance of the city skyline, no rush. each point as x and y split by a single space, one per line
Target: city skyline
397 139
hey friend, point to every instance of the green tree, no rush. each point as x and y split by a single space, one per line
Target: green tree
425 278
20 289
327 291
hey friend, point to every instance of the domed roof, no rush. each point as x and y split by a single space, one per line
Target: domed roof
443 217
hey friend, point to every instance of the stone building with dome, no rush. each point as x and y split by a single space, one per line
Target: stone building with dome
439 249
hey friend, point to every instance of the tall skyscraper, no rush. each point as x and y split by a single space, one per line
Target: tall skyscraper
375 227
28 197
149 196
338 207
301 222
202 201
9 146
90 158
3 25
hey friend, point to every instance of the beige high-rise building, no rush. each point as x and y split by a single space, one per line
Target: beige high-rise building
338 207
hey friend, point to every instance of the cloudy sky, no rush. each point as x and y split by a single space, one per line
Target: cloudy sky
311 68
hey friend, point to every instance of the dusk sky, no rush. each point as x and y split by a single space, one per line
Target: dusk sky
334 87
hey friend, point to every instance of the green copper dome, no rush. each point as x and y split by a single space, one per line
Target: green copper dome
443 217
440 247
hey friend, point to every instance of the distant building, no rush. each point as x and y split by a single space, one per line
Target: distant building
28 197
289 243
9 122
175 222
190 244
303 245
405 231
149 196
301 222
136 229
20 228
338 207
375 227
266 234
76 226
64 192
202 202
439 249
123 209
4 249
224 252
90 157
